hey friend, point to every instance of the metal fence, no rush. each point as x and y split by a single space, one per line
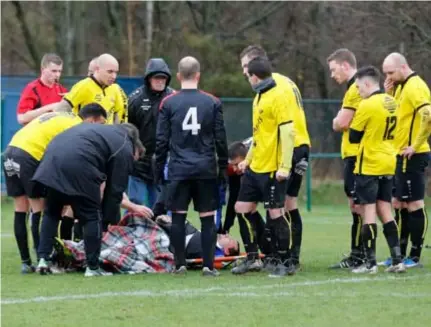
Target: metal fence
238 120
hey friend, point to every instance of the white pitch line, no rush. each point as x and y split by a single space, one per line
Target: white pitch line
5 235
212 291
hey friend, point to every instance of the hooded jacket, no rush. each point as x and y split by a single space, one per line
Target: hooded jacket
143 111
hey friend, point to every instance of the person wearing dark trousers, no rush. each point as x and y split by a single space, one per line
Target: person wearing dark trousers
91 177
143 111
21 159
191 128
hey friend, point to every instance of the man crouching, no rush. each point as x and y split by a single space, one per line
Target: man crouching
86 167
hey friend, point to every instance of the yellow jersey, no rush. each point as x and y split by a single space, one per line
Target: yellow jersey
376 118
34 137
270 110
89 91
351 101
411 96
296 107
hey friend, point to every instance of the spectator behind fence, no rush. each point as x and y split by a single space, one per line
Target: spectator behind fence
42 91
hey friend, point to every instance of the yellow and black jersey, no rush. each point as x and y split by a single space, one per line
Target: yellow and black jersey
373 128
111 98
296 107
270 111
412 95
34 137
351 101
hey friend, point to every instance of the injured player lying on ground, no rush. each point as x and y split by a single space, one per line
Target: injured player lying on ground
140 245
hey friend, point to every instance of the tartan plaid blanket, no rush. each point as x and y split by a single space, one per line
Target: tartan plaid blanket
135 245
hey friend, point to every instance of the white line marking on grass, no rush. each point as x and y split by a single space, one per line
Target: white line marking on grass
5 235
214 291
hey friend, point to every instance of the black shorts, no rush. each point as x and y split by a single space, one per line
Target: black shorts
410 177
262 187
19 168
349 177
203 192
370 189
295 180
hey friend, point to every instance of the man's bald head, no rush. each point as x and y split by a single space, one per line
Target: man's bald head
106 59
92 66
188 68
396 59
106 69
396 68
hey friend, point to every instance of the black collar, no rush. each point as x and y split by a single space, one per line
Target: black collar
408 77
351 81
380 91
97 82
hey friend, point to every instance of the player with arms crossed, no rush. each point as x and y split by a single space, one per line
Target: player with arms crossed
411 145
269 161
375 167
191 128
342 65
301 150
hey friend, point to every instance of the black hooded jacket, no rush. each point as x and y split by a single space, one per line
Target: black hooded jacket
143 112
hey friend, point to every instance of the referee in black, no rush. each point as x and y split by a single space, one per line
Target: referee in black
191 128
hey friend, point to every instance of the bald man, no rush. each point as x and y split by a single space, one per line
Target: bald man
96 89
410 133
120 97
190 128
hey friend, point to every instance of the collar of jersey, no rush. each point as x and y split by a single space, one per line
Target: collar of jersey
351 81
408 77
97 82
380 91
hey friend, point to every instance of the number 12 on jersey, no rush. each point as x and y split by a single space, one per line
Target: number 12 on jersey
190 122
391 122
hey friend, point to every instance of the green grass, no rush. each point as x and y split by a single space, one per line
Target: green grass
314 297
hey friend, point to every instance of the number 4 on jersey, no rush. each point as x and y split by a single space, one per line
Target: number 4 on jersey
190 122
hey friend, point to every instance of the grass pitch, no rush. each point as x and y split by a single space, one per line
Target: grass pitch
316 296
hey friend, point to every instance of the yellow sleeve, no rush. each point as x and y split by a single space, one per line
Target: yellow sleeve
424 128
287 136
352 99
281 108
361 117
419 96
284 118
121 104
77 95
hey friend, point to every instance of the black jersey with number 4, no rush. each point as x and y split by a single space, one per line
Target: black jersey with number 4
191 129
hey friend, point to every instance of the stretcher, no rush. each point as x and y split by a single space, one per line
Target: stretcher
221 262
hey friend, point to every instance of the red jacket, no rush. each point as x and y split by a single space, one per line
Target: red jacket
36 95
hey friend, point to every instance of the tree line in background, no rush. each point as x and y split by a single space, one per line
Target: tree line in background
297 35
